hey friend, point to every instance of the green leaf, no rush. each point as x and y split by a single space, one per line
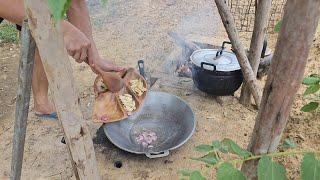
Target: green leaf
269 170
185 172
277 27
235 148
196 175
104 2
311 106
204 148
312 89
210 158
216 144
289 143
227 172
58 8
224 149
311 80
310 168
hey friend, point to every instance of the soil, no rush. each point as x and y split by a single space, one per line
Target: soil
128 31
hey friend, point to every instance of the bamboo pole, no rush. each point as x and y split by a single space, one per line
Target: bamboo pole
23 97
58 69
239 50
284 78
262 14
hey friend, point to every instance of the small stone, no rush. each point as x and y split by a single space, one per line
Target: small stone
301 137
118 164
171 2
188 93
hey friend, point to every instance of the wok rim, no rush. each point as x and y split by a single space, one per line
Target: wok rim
156 152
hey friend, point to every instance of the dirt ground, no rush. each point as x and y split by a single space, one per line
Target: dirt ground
127 31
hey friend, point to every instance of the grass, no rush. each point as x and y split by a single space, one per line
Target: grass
8 33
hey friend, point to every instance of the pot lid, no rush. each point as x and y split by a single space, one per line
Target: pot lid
226 62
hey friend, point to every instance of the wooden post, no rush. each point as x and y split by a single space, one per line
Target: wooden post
259 32
284 78
58 69
23 97
239 49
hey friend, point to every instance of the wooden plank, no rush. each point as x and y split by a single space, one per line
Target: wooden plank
248 74
262 14
23 97
58 69
284 78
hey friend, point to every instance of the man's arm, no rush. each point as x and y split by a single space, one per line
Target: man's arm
78 15
77 43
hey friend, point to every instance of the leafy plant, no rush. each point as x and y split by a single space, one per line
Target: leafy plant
277 27
270 170
58 8
289 144
227 171
313 86
310 167
8 33
267 169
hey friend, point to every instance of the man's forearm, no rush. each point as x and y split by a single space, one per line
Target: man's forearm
12 10
78 15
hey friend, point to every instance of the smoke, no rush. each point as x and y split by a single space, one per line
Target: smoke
198 27
204 22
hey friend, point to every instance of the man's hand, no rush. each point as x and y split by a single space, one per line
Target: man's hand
76 42
104 64
78 15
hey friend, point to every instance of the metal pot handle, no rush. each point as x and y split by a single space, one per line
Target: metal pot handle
219 53
209 64
157 155
141 68
264 48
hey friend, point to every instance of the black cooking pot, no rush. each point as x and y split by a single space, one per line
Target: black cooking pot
216 71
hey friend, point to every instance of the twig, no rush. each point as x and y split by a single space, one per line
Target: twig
59 173
272 155
239 49
35 158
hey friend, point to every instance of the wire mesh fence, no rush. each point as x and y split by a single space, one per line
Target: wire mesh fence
244 10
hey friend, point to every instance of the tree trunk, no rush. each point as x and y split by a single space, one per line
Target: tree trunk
259 32
59 73
284 78
239 49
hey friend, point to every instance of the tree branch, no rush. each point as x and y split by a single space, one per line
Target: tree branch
239 50
259 32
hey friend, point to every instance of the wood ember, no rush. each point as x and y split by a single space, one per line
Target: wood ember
184 71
